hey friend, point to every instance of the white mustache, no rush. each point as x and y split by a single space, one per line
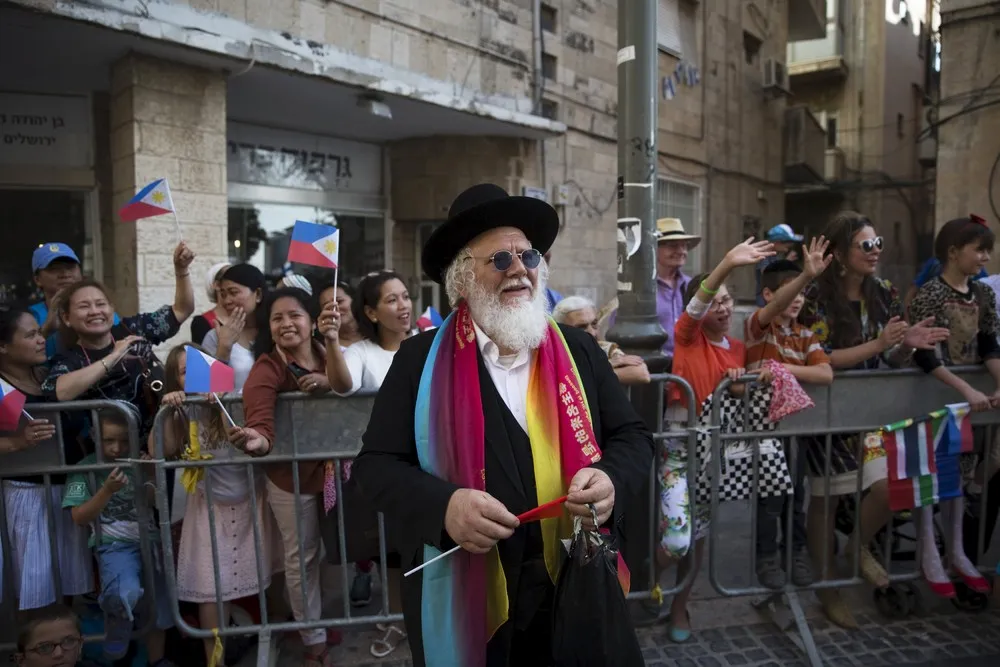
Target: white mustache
515 282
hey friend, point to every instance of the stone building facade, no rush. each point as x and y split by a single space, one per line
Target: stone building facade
967 126
866 84
375 114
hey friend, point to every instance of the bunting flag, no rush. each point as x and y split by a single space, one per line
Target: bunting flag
913 480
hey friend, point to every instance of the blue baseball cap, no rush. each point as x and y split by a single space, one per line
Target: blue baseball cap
46 253
782 232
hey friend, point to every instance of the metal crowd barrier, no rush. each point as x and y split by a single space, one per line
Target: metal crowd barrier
325 428
307 428
845 407
48 458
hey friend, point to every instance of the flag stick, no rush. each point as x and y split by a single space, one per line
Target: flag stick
433 560
177 224
222 407
27 414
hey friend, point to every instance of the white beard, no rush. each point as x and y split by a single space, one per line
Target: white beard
520 326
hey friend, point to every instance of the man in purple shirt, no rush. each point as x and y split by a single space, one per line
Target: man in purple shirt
672 246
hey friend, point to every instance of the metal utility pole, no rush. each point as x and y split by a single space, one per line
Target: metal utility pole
636 327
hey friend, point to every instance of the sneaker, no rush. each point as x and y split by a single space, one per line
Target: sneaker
802 574
361 589
117 635
769 572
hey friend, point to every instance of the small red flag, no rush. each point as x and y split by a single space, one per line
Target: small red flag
549 510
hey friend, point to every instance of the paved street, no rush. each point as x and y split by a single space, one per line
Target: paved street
729 631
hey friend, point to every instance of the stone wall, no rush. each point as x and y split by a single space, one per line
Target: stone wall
969 143
167 121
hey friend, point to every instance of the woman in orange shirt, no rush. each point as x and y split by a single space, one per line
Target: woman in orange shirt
703 354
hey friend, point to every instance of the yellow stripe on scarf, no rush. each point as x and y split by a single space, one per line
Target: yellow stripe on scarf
191 476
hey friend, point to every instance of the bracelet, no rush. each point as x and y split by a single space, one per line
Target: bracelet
105 364
182 275
710 292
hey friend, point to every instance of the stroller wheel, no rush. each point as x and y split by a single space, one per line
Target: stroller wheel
896 601
969 600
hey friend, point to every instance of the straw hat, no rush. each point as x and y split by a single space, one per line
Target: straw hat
672 229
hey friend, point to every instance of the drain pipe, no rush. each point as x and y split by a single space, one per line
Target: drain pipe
538 81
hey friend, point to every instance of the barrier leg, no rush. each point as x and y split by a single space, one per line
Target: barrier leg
267 652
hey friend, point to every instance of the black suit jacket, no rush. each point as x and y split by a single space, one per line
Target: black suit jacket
414 502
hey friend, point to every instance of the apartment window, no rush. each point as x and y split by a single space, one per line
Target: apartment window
831 131
550 110
548 18
549 66
675 199
900 125
668 27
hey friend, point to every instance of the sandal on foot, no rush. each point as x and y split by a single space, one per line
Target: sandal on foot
383 647
678 635
836 609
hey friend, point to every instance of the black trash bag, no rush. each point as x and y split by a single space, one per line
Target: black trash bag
591 626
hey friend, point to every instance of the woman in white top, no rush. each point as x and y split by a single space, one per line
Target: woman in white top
382 310
241 290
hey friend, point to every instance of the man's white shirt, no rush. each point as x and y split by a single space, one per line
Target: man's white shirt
509 374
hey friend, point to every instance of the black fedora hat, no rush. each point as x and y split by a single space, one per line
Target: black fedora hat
479 209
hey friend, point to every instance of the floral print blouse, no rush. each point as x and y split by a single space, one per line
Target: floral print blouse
816 317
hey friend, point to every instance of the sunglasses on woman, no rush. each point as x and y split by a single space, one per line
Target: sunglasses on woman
870 245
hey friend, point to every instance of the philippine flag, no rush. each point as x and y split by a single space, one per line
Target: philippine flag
11 405
152 200
206 374
431 319
315 245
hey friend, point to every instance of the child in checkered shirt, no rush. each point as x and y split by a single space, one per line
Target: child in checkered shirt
773 333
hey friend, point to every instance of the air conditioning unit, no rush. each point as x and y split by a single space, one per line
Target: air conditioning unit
775 76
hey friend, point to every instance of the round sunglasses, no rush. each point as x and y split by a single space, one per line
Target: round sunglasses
503 259
870 245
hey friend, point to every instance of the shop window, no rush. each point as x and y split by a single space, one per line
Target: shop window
30 218
260 234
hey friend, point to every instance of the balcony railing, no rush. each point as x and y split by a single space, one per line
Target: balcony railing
804 143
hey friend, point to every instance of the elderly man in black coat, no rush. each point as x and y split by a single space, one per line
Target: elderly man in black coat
490 603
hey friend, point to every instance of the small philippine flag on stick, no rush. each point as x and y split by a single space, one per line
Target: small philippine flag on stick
152 200
315 244
207 375
431 319
11 406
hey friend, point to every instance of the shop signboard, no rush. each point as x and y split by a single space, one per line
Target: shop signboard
45 130
279 158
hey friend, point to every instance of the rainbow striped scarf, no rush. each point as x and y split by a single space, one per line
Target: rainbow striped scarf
465 596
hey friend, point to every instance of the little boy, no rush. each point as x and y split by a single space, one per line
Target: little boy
111 504
772 332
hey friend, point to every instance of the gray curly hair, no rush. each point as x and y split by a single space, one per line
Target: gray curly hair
460 275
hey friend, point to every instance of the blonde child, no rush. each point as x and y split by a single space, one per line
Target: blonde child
198 430
704 354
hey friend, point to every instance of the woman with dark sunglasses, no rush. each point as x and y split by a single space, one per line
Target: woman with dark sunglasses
858 318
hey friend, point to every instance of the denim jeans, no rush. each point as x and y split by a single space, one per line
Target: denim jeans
122 581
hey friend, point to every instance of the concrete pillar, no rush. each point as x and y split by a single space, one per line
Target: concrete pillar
168 120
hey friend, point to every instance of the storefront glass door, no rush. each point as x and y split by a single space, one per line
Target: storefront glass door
29 218
260 234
